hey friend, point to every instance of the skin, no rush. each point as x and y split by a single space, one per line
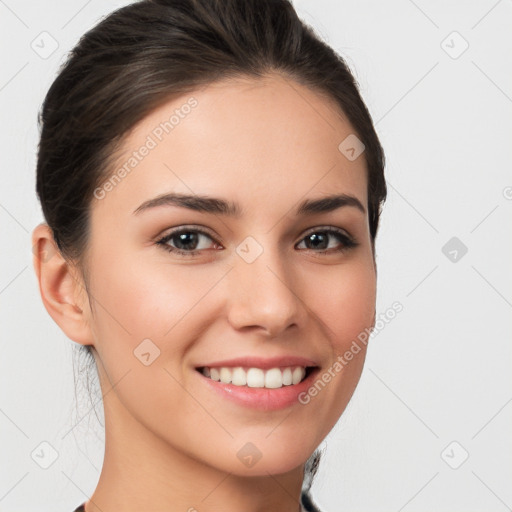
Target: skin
171 443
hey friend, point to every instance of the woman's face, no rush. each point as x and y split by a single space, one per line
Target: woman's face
271 285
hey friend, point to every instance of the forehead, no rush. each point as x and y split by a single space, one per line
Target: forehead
247 138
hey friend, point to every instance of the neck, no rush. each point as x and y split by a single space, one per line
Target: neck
143 472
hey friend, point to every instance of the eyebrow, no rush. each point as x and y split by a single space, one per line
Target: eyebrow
206 204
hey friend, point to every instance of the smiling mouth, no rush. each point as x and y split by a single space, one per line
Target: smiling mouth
272 378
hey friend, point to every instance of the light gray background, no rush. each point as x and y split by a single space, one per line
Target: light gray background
439 373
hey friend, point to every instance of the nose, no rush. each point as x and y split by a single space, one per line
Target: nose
262 296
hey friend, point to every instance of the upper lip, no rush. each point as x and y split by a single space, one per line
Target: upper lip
261 362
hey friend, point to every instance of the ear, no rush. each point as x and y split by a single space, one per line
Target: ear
61 286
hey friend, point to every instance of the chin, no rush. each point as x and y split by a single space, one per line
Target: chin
263 457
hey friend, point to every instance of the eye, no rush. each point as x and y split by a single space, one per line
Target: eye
319 240
187 241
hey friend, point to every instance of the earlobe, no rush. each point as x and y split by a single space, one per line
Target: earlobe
61 287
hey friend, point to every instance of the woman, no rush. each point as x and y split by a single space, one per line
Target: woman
211 182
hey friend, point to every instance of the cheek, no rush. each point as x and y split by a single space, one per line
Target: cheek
146 316
141 298
345 306
345 302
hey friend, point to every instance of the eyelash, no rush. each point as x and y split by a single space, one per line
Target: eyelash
347 241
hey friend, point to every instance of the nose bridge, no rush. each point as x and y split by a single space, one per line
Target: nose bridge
261 290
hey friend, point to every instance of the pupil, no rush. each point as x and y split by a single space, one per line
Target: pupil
315 238
184 238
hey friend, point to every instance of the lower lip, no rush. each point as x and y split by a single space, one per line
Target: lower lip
261 398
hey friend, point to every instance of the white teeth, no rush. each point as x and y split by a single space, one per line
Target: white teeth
297 375
273 378
256 377
225 375
239 377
